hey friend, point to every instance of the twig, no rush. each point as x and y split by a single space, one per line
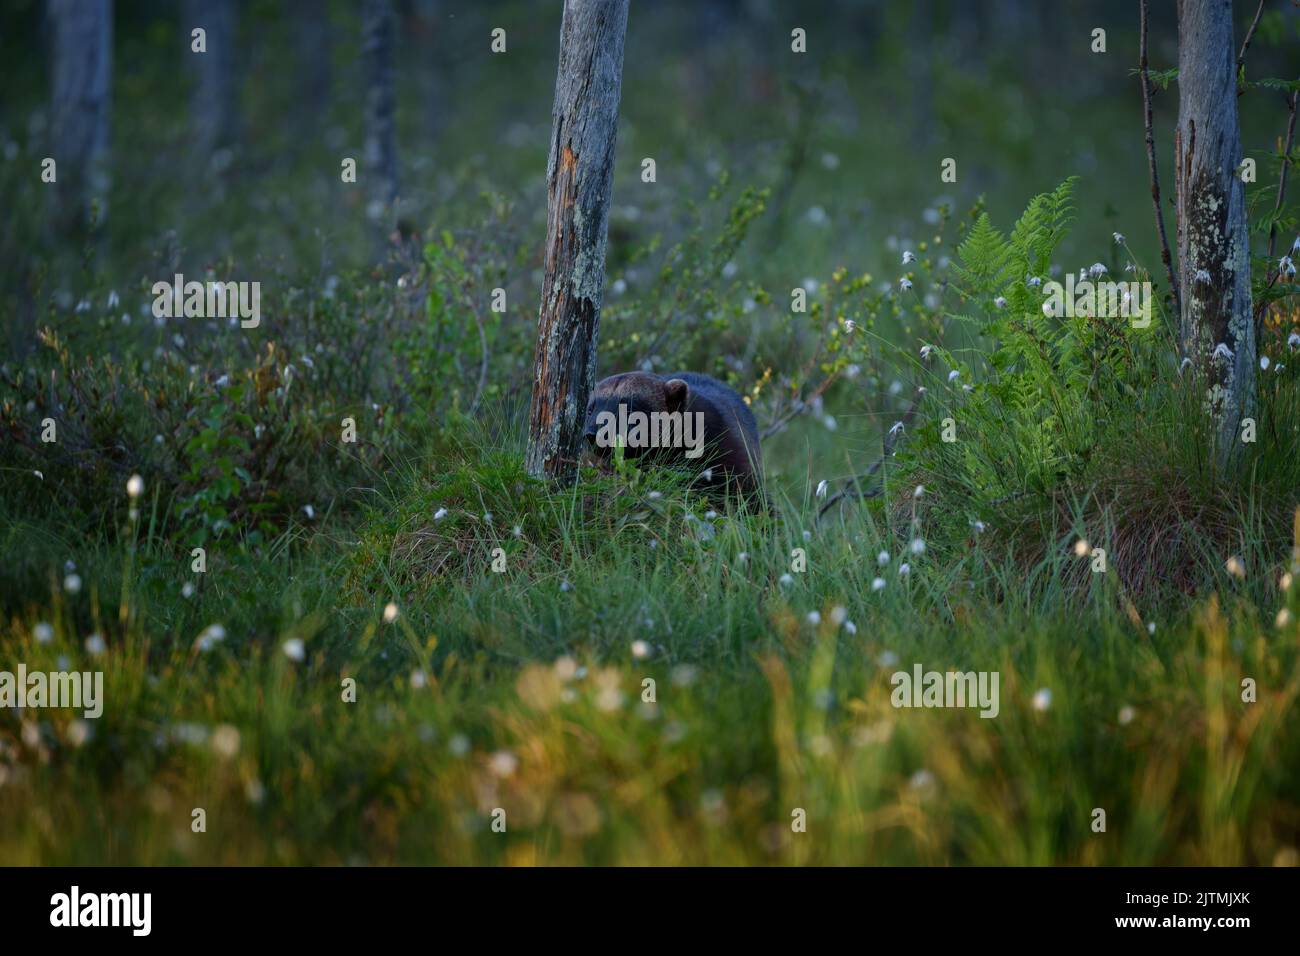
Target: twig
796 410
853 489
1151 162
1286 164
1250 35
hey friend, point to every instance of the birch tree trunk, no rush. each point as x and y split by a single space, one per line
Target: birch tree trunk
378 36
81 93
579 182
1216 327
212 105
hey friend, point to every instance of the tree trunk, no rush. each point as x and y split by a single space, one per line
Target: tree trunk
311 23
579 181
378 33
1213 244
212 104
81 87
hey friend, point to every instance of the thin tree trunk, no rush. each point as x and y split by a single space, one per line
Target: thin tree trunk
81 93
378 37
311 23
212 105
1216 328
580 176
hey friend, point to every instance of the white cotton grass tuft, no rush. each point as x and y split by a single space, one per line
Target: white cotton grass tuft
1042 699
1235 567
878 584
294 649
390 612
135 486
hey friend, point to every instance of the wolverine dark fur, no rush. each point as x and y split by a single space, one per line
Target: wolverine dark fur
731 461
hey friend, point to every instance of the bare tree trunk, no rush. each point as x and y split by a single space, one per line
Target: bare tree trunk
1216 328
213 103
311 23
378 36
81 88
579 182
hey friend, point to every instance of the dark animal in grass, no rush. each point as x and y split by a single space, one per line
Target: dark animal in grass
684 420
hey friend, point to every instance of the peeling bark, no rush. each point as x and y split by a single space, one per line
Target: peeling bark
81 88
1213 243
580 175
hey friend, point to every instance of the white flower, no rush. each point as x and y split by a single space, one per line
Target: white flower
850 627
918 491
39 475
1000 302
878 584
113 300
905 283
294 649
187 590
1042 698
917 546
908 258
43 633
135 486
95 645
1283 618
440 514
882 558
1033 282
1151 627
1118 237
821 488
1222 352
390 612
566 586
1096 270
640 650
953 375
904 569
926 350
1183 365
895 428
225 740
1126 715
1286 266
1295 246
310 512
850 326
1049 308
72 584
503 763
1293 341
814 618
1081 548
785 580
209 637
838 616
742 557
978 525
1235 567
887 659
1263 362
